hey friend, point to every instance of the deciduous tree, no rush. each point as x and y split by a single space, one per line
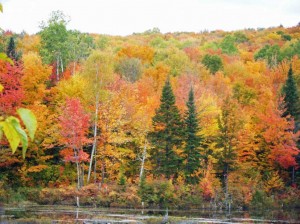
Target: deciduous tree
74 127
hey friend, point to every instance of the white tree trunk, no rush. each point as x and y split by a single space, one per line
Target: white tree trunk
95 141
61 65
57 68
144 156
95 125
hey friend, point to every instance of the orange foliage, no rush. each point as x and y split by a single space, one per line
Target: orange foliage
277 131
35 76
159 74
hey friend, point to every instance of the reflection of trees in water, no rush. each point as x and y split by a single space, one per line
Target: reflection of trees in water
52 214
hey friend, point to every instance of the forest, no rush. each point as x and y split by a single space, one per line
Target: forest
178 120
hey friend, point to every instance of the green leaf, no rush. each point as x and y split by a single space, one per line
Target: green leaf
1 7
11 134
29 121
4 57
22 134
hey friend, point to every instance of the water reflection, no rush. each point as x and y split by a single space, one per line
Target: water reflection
59 214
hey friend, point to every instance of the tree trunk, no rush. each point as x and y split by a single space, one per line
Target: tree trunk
95 140
57 68
226 187
144 156
78 169
103 165
61 65
95 125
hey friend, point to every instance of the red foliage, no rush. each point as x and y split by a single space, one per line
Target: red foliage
193 53
69 156
12 95
278 134
74 127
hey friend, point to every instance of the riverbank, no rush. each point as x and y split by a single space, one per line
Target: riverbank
160 195
71 214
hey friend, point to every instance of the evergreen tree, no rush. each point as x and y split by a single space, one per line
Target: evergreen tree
167 135
229 125
292 106
291 97
11 49
191 152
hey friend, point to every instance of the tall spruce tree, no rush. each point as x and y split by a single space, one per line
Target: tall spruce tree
167 134
291 97
11 49
292 106
191 152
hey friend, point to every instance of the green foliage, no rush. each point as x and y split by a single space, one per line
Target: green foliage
212 62
229 125
191 151
158 42
167 134
245 95
269 53
291 97
80 45
240 37
122 177
260 200
210 45
158 192
178 62
54 40
228 45
29 121
292 50
13 131
286 37
143 188
11 49
154 30
5 58
102 42
130 69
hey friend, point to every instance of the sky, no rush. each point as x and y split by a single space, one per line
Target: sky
124 17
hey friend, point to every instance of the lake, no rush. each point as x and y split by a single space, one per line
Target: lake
68 214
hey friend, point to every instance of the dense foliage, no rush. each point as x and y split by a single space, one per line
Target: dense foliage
176 119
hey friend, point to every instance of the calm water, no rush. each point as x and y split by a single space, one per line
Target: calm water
59 214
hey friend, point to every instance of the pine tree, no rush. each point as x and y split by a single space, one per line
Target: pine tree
291 97
191 152
292 106
11 49
167 135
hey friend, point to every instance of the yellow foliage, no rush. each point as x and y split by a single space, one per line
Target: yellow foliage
29 43
273 36
75 87
274 183
159 74
35 76
145 53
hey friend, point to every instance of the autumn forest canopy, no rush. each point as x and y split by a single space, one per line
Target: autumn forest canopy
172 120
